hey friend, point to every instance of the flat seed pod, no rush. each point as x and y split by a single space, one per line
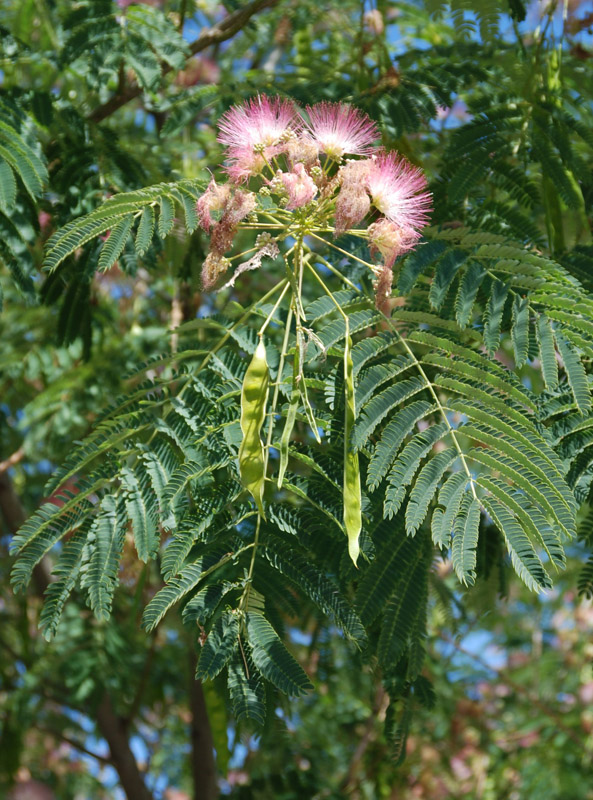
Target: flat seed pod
254 396
352 490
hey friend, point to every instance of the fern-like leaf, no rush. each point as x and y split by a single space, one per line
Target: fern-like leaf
219 647
271 657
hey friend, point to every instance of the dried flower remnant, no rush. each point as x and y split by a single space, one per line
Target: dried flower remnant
352 206
391 240
213 199
267 249
352 203
235 206
373 22
300 187
382 286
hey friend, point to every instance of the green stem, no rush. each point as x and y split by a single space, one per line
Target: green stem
273 311
240 321
372 267
332 269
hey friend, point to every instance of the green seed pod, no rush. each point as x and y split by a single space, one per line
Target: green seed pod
254 397
290 418
352 490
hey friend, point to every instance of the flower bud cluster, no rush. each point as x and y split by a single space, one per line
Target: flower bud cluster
313 171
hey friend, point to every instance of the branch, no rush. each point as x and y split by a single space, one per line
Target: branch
12 460
224 30
73 743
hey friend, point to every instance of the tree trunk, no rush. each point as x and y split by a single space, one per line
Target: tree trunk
203 764
113 730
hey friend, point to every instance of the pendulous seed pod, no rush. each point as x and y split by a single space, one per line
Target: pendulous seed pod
290 419
254 397
352 490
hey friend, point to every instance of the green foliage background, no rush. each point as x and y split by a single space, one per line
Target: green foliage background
121 384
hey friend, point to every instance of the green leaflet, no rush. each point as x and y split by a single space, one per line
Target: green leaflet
66 573
248 699
522 432
101 556
220 645
494 311
254 396
547 351
520 329
408 463
417 262
585 584
142 512
378 582
143 62
445 273
484 375
450 496
538 492
528 462
398 728
425 487
337 330
113 247
122 208
466 294
401 424
366 349
524 558
145 230
271 657
465 540
43 529
178 587
531 519
352 488
402 610
17 156
380 405
166 217
377 374
7 188
323 306
204 603
575 372
475 366
319 588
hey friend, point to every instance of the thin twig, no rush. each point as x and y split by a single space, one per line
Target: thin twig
225 29
17 456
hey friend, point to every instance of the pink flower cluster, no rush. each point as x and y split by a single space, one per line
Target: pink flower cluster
323 163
